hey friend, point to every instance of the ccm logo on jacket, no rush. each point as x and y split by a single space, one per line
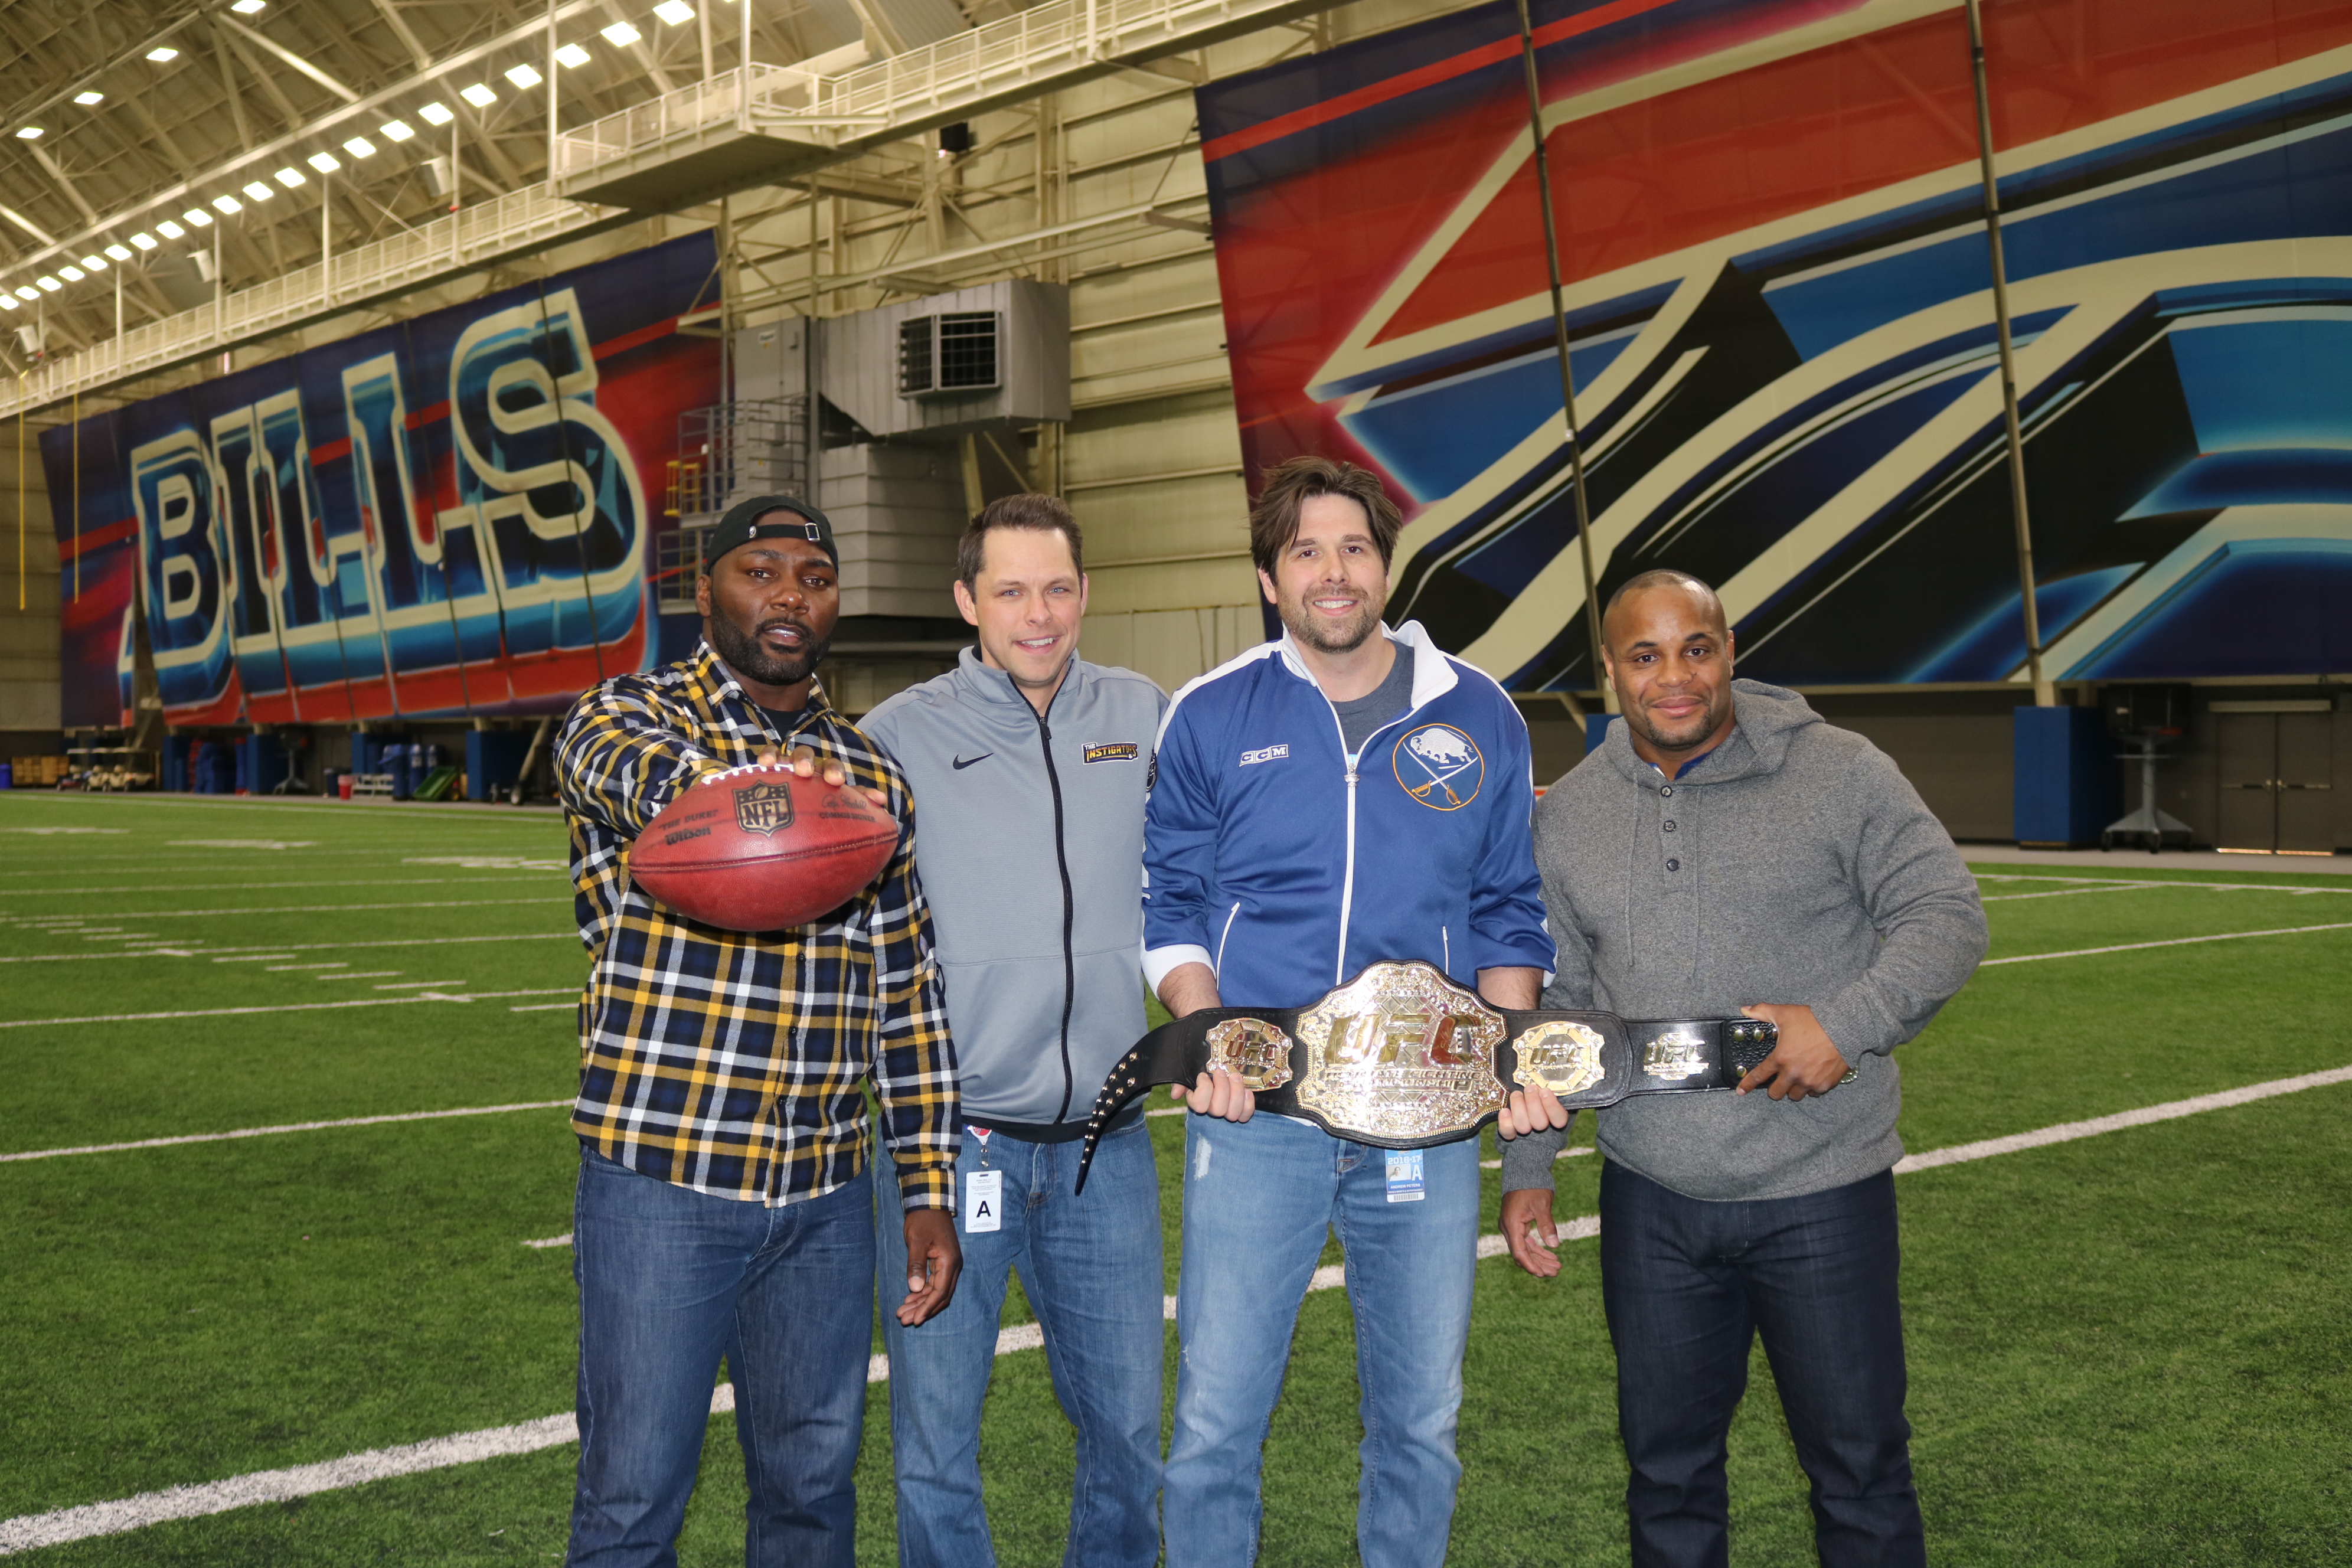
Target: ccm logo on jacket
1289 879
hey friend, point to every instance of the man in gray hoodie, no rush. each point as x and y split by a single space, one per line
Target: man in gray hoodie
1724 848
1029 768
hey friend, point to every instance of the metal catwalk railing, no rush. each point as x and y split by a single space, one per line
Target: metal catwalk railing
1033 51
1037 50
472 238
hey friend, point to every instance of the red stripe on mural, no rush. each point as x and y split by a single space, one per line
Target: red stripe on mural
1380 93
96 539
334 451
637 339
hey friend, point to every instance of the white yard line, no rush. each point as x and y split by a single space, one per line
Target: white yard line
2067 1132
244 957
2157 883
293 1006
542 1007
326 908
2169 942
1555 1159
61 1525
288 1127
254 887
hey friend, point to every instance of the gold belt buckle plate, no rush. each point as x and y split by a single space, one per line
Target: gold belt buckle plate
1253 1050
1403 1052
1561 1056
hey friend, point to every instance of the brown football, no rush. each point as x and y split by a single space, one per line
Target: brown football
759 848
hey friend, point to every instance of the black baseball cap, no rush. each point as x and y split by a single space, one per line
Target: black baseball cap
749 520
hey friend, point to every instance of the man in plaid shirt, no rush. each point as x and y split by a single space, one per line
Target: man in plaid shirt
725 1199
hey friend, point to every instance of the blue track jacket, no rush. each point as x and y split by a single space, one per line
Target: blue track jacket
1269 860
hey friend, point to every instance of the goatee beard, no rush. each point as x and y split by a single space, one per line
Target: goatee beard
1309 630
746 657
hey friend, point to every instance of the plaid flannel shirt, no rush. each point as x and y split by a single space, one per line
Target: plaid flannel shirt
729 1063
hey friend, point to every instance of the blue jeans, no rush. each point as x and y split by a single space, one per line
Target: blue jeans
1688 1284
1258 1197
670 1280
1091 1268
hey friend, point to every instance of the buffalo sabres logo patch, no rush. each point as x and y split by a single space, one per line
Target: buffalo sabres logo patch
763 808
1439 766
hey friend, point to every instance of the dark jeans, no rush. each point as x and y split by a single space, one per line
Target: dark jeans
670 1280
1091 1266
1688 1285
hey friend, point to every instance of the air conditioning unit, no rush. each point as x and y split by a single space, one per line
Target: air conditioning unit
955 351
992 356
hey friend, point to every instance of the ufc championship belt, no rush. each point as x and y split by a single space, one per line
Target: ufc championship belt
1402 1058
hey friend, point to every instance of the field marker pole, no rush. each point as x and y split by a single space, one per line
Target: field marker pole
1559 348
2045 695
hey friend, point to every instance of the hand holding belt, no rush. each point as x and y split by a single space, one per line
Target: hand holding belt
1402 1058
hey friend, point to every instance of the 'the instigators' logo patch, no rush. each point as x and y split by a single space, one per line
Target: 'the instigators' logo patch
1114 751
1439 766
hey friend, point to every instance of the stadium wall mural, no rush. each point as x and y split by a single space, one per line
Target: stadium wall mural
451 515
1782 333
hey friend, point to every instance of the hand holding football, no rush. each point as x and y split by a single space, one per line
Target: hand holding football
762 848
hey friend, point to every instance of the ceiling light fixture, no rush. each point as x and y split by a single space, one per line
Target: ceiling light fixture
198 216
89 96
70 274
291 177
258 191
247 7
48 285
477 95
675 12
225 203
396 131
572 55
167 228
29 134
27 293
121 253
621 33
143 240
94 263
360 147
524 77
7 301
435 114
325 162
162 52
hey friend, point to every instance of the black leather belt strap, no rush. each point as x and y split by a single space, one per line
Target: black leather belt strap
1589 1058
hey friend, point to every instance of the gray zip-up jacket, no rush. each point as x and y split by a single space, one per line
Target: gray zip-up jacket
1032 857
1792 864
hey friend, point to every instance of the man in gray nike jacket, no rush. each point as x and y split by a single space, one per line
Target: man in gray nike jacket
1726 850
1030 767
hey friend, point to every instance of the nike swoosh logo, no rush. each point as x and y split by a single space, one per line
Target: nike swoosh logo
959 763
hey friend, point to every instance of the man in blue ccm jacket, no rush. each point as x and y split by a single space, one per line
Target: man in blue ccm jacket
1345 795
1030 766
1726 850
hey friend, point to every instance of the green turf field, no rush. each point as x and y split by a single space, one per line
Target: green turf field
2129 1349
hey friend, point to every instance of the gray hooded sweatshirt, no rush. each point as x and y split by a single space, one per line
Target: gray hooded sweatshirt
1029 840
1792 864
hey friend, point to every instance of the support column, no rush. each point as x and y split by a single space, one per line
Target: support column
2045 694
1560 347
